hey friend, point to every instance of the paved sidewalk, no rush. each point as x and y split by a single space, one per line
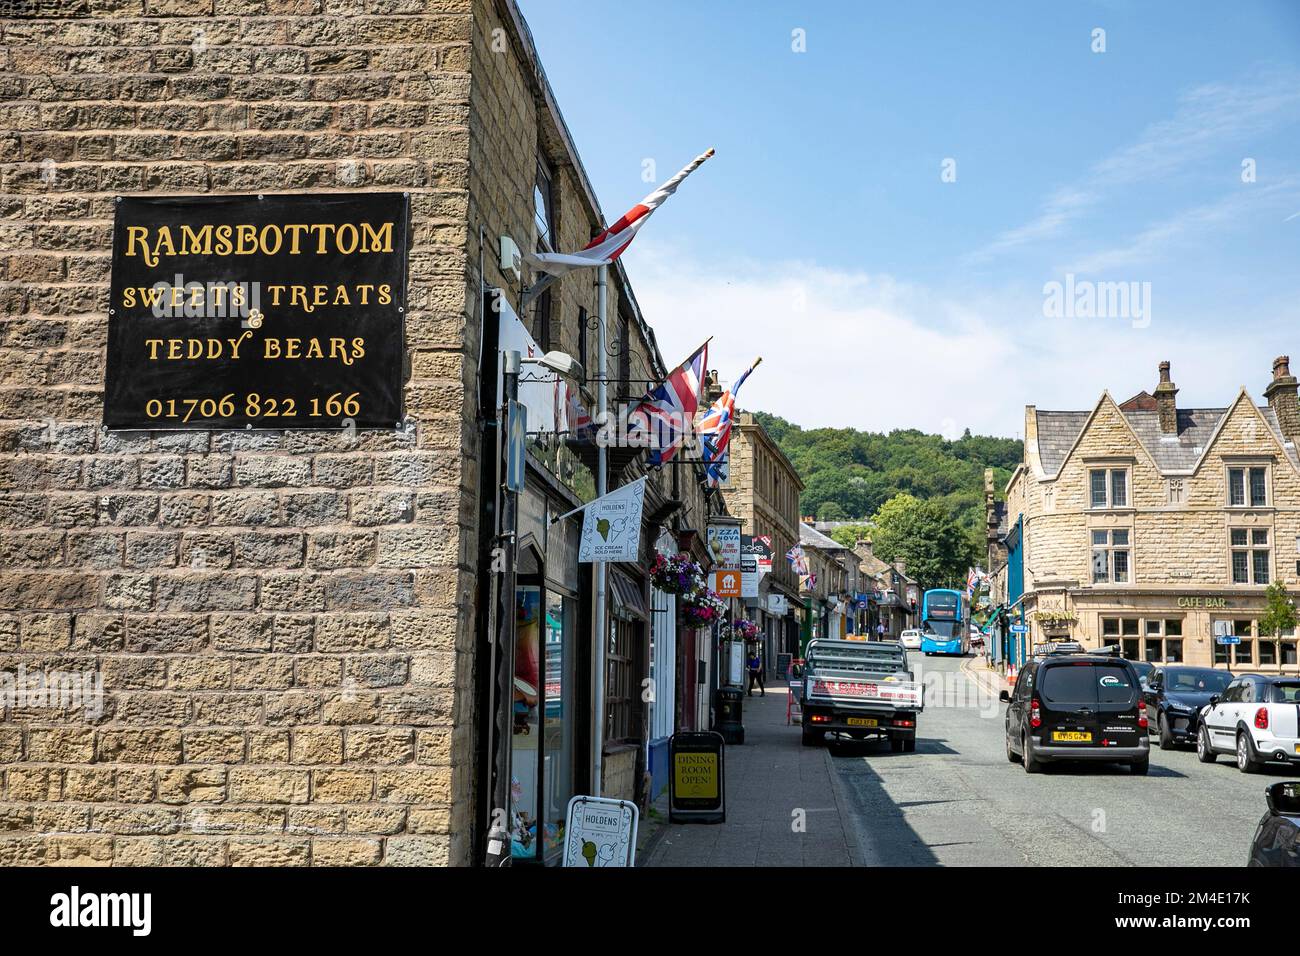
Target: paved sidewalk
769 777
978 669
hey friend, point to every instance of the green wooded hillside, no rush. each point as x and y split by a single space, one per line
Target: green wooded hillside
849 474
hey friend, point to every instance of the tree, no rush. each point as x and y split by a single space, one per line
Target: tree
923 534
1279 612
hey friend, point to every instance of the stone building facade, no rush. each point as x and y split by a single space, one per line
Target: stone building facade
762 489
1157 527
287 625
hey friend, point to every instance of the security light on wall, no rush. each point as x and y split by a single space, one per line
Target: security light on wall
512 261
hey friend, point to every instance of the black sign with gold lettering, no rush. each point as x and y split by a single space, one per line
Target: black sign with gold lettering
257 312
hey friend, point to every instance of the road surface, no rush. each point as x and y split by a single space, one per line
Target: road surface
958 801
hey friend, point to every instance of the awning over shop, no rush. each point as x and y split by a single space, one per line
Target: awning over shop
628 601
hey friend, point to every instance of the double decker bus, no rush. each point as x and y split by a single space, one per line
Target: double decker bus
944 627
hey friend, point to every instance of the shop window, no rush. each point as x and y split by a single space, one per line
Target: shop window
1173 650
1288 653
1243 653
526 739
1267 651
1130 626
1108 488
1153 649
619 673
559 709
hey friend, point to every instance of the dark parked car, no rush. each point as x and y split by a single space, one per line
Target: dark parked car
1173 698
1144 669
1277 838
1076 706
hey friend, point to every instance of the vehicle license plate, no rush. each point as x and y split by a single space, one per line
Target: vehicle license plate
1072 736
862 722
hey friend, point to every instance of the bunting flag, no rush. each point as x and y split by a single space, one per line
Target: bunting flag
665 413
609 245
715 431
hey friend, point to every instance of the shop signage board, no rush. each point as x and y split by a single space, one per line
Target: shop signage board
600 832
777 604
257 312
516 446
724 545
748 576
727 583
611 525
759 548
697 780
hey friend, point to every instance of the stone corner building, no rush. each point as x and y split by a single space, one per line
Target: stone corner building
1154 527
287 624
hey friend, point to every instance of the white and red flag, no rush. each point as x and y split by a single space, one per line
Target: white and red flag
609 245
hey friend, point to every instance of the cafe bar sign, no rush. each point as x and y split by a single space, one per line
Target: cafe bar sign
257 312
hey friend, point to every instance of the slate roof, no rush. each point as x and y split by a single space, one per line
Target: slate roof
1058 431
1000 516
813 538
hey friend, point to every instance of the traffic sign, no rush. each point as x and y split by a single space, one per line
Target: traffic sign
1019 628
1228 639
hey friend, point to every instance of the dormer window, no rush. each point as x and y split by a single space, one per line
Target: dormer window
1248 487
1108 488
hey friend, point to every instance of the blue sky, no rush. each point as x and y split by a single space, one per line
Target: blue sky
823 236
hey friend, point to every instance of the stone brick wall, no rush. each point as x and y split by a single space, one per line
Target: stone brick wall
281 620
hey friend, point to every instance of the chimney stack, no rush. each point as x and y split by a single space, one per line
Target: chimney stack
1281 395
1165 405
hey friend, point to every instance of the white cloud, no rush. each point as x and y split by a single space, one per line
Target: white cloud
854 349
1208 118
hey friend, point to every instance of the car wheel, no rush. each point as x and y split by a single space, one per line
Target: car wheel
1246 761
1204 752
1166 738
1032 765
1139 768
896 744
909 745
813 738
1012 756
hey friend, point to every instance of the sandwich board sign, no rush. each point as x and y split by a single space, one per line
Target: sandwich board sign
697 786
600 832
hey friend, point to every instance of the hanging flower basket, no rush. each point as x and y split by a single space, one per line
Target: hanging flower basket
702 608
676 575
742 630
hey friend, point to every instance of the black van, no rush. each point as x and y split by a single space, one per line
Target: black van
1075 706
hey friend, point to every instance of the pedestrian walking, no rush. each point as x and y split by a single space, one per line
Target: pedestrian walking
756 673
880 631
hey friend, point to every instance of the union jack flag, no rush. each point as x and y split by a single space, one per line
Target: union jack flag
580 425
798 560
666 412
715 431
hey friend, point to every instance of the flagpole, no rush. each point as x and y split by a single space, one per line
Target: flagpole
599 636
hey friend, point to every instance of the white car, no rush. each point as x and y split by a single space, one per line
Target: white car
910 638
1257 719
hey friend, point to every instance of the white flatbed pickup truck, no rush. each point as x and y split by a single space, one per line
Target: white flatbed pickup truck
860 689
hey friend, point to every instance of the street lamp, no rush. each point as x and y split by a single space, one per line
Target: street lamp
501 700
